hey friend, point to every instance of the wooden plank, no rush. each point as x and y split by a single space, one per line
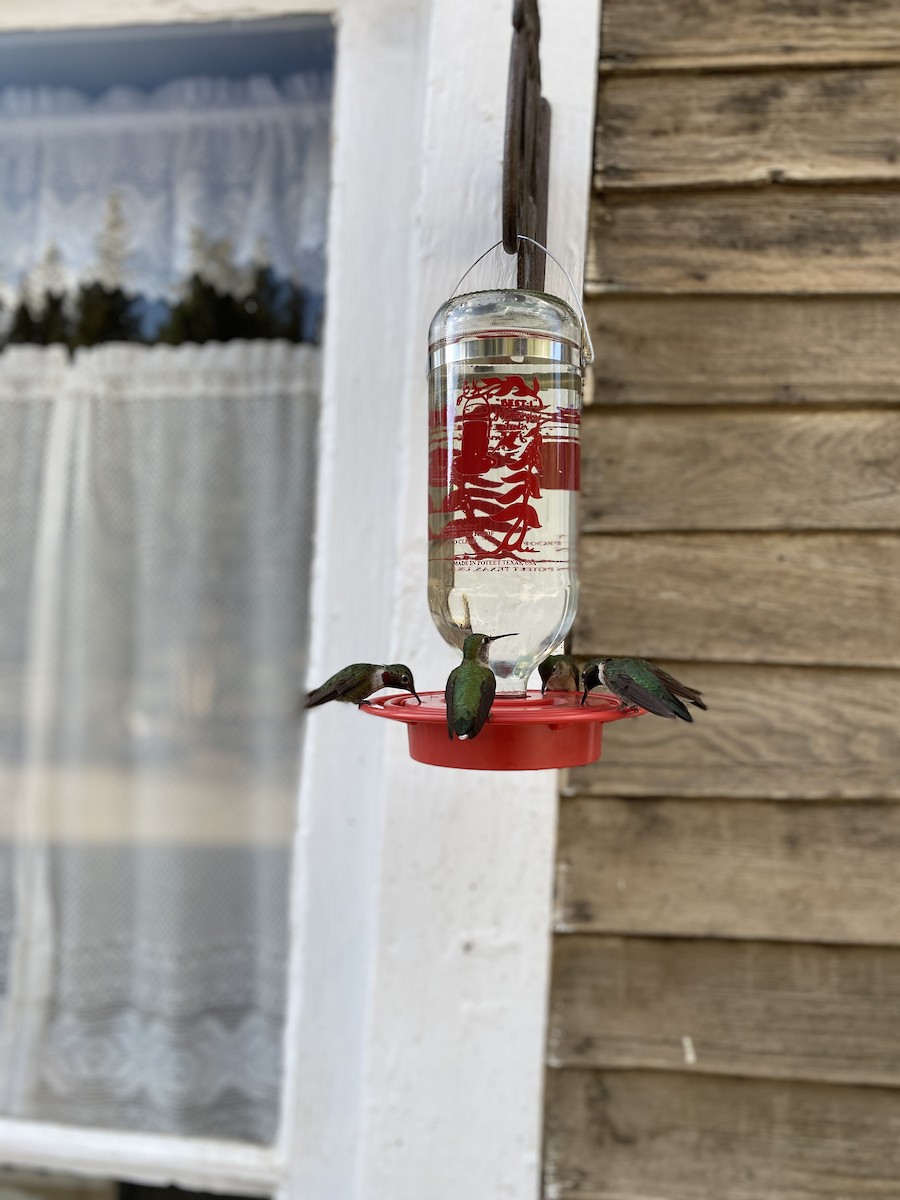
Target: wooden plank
746 350
730 868
778 1011
816 598
754 240
648 34
776 732
740 128
740 470
646 1135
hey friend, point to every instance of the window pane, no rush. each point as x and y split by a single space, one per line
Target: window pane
162 265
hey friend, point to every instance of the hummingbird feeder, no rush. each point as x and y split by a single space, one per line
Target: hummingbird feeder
505 383
505 371
527 733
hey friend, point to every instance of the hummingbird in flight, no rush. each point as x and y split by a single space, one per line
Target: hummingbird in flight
559 673
354 684
640 684
471 687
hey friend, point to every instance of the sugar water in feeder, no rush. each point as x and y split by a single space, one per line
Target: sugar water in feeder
505 384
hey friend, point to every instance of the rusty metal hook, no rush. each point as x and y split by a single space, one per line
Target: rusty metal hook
526 150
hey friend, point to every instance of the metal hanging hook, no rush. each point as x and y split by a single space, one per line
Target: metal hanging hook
526 151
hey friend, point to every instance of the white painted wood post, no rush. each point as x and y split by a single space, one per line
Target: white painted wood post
457 866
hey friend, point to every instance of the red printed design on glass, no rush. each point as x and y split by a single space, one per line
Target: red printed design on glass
509 447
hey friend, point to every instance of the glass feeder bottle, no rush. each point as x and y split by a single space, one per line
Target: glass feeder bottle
505 383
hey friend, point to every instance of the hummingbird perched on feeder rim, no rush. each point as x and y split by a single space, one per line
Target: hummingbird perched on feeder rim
640 684
559 673
471 687
354 684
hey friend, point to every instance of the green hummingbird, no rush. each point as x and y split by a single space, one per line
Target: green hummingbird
471 687
354 684
559 673
640 684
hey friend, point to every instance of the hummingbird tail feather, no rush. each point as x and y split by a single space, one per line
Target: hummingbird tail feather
678 688
677 709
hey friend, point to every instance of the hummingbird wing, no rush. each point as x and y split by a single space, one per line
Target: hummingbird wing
350 683
488 691
661 704
448 699
679 689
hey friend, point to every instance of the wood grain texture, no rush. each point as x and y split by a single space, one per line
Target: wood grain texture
729 868
746 350
754 240
739 128
770 732
816 598
764 1009
648 34
740 470
646 1135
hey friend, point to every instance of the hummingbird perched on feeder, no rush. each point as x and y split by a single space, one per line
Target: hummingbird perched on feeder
640 684
354 684
471 687
559 673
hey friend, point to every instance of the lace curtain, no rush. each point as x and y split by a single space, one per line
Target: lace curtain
154 555
241 161
153 567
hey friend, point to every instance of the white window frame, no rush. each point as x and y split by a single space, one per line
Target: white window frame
421 910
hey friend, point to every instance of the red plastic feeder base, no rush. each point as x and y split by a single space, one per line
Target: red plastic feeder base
528 733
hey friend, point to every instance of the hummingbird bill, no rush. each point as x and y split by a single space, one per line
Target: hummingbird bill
640 684
356 683
471 688
559 673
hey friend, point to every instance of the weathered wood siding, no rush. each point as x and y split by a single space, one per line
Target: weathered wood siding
725 1014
